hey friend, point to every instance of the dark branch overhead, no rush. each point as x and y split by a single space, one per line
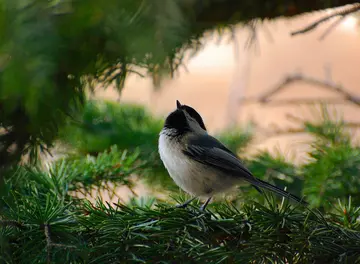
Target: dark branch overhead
104 41
211 12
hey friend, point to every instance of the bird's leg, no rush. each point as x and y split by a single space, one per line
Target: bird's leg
202 208
184 205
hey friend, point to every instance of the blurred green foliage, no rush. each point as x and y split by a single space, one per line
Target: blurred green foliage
236 138
51 51
69 176
102 124
111 142
330 173
42 222
333 168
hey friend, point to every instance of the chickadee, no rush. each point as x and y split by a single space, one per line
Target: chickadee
200 164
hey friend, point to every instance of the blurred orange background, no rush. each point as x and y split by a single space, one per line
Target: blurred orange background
223 72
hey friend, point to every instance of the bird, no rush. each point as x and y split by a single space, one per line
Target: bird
199 163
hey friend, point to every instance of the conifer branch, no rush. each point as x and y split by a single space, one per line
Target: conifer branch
50 244
343 12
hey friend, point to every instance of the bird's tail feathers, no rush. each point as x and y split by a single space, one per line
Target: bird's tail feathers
273 188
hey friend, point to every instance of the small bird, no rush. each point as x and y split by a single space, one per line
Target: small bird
200 164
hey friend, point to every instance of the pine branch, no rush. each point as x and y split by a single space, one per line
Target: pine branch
252 228
50 244
227 11
256 232
343 12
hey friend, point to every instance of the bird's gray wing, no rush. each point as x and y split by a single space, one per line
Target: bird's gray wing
209 151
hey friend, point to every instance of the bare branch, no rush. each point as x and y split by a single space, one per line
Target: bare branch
48 242
332 27
132 190
329 85
222 12
252 40
343 12
302 101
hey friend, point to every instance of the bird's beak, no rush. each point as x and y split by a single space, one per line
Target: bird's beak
178 105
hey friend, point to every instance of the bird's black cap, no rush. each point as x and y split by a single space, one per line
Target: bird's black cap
177 119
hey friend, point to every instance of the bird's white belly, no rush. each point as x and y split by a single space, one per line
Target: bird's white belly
190 175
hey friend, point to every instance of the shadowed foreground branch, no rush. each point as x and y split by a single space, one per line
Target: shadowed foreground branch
42 221
133 233
226 11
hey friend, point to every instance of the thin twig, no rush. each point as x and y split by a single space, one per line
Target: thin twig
50 244
302 101
265 98
132 191
276 131
343 12
332 27
327 84
252 40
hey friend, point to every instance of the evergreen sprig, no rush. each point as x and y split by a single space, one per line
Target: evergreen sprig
157 233
43 223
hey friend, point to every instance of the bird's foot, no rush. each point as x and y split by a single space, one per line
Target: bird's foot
202 208
184 205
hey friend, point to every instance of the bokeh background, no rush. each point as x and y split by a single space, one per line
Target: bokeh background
85 87
227 70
